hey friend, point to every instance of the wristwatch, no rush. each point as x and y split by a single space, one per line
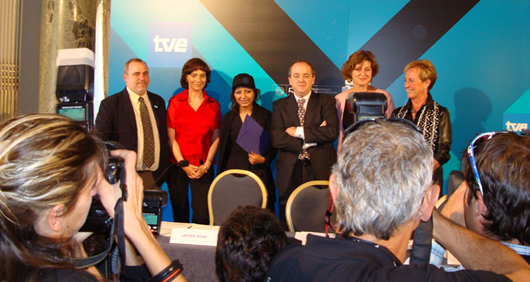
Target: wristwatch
184 163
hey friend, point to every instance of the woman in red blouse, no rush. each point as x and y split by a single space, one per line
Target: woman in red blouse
193 124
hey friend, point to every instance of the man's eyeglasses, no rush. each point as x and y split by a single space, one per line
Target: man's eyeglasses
471 153
363 122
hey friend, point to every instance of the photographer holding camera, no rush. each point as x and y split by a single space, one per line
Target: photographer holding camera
50 168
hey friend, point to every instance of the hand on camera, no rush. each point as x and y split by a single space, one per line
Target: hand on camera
136 230
109 194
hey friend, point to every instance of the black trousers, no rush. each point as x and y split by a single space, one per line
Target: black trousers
178 184
302 173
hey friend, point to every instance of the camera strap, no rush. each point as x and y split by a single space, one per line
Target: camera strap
118 217
327 217
117 231
117 234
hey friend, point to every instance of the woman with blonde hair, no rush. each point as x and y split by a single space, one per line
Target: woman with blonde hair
50 169
431 118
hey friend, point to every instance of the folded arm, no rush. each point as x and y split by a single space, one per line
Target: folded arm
279 137
328 129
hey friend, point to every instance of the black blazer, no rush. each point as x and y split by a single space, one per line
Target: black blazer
320 108
116 122
263 117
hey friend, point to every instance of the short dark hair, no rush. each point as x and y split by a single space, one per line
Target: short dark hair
247 242
192 65
503 164
301 61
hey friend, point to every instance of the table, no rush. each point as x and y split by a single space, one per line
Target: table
198 261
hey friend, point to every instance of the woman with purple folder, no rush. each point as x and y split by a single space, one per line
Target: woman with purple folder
231 154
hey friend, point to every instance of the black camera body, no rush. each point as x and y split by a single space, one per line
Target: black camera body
99 221
154 200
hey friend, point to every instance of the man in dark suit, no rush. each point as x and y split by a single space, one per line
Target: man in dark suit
303 129
136 118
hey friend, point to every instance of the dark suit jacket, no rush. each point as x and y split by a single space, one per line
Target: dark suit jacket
116 122
320 108
263 117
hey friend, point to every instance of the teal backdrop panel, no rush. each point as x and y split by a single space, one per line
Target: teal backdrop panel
479 49
210 40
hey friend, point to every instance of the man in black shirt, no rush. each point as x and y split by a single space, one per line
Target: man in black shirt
381 186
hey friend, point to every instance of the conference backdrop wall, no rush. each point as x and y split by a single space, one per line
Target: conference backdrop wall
480 50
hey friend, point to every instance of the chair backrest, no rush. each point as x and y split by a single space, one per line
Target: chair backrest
234 188
306 207
453 182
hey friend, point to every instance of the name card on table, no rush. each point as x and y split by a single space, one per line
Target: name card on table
192 236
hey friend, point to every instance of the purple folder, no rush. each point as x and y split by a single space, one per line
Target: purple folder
253 137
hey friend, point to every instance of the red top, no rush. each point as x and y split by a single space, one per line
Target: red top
193 129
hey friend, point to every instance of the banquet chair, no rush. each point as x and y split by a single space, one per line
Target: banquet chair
234 188
306 207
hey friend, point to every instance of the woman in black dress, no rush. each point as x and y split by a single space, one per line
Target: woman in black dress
231 156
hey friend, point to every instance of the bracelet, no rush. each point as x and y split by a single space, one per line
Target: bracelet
169 273
173 275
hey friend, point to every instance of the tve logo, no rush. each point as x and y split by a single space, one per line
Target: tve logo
170 44
514 126
516 122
